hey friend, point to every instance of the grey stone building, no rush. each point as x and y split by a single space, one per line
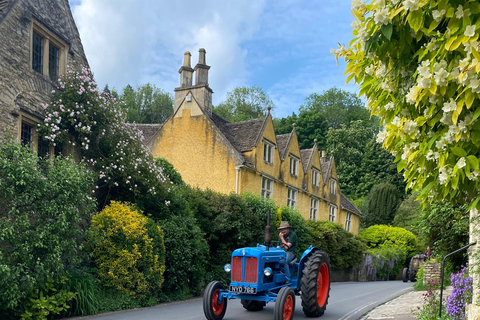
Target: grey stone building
38 39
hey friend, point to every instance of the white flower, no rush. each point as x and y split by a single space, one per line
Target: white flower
424 82
433 99
443 176
389 106
474 175
438 15
380 3
461 163
396 121
381 16
411 96
440 144
363 33
411 5
450 106
358 5
460 12
356 24
381 71
410 126
446 118
441 77
424 69
470 31
370 70
381 136
474 83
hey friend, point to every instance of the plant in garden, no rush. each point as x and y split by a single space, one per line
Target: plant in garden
461 295
85 120
431 302
417 64
128 249
380 236
44 210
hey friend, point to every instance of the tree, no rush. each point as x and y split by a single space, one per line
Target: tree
244 103
146 104
382 204
339 107
417 64
408 213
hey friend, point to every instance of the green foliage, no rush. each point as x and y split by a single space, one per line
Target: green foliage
186 257
444 227
387 260
169 171
44 210
244 103
382 203
128 249
146 104
87 287
344 249
298 224
47 301
407 214
419 71
339 107
380 237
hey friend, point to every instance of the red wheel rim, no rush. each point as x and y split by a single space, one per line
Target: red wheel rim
217 308
288 308
323 282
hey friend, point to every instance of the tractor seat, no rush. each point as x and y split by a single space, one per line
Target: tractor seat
293 262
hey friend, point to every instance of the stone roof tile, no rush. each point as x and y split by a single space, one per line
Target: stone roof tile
348 205
282 143
305 156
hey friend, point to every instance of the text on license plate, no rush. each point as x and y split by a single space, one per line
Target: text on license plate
242 289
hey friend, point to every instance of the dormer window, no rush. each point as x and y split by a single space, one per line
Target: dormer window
315 177
268 149
294 165
333 187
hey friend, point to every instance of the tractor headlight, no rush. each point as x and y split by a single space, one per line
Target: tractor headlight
267 272
227 267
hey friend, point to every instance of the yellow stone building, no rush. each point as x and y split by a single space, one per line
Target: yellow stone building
210 152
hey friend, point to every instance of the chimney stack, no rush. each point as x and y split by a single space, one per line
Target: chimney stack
201 69
186 71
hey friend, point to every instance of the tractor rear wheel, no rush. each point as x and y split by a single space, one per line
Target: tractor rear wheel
315 284
285 304
405 275
253 305
212 307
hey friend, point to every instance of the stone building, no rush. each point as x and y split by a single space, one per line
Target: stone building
210 152
38 39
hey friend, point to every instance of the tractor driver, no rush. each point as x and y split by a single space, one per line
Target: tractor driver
287 241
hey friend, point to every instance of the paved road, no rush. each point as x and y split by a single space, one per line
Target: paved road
348 301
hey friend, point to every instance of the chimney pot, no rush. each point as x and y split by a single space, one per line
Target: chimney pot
187 59
202 59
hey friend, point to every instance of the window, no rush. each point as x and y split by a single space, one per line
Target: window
313 209
26 135
293 166
48 52
268 151
333 186
315 177
292 198
29 135
348 221
332 213
267 188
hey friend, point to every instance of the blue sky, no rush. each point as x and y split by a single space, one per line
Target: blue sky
281 46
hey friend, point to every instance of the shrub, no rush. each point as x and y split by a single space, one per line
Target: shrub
461 294
380 236
344 249
298 224
128 249
186 257
44 209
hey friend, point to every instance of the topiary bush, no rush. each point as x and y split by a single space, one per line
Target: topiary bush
128 249
381 236
344 249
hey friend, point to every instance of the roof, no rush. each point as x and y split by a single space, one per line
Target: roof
325 165
348 205
305 157
282 143
149 131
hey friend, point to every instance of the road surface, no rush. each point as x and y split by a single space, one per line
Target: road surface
348 301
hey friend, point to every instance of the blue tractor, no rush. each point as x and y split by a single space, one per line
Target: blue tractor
258 276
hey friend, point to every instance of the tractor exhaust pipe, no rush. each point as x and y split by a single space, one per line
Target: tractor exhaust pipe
268 232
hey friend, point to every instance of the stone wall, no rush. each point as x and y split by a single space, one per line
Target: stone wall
432 272
473 310
22 88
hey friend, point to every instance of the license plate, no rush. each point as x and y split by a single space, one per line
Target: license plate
242 289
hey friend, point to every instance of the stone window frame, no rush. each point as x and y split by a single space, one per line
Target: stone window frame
314 205
268 151
48 37
332 213
267 187
333 186
315 177
294 164
26 119
348 221
292 197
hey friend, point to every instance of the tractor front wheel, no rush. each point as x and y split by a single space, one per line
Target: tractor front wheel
253 305
285 304
213 307
315 284
405 275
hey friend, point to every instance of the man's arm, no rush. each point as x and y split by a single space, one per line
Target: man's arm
285 243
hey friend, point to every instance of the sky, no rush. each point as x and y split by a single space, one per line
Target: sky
281 46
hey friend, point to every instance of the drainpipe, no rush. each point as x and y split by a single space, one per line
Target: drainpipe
237 182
